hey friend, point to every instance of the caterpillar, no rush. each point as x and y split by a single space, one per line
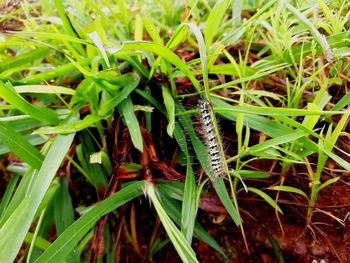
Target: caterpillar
213 143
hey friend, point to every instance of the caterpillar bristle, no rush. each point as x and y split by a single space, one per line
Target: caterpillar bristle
210 139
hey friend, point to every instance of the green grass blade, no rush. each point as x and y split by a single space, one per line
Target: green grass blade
189 204
10 188
221 190
203 56
17 144
328 182
173 209
61 71
45 89
322 41
67 25
270 111
126 109
125 16
214 20
169 104
274 142
99 45
152 30
166 54
14 230
64 212
26 58
180 243
19 194
253 174
66 242
39 241
75 126
267 198
46 115
331 141
129 82
343 102
237 7
277 250
265 125
289 189
32 139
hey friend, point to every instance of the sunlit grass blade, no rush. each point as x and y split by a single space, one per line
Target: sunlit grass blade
214 20
98 43
322 41
274 142
327 183
46 89
60 71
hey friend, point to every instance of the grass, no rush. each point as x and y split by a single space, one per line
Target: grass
95 94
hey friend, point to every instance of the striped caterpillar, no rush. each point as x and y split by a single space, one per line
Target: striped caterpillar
213 143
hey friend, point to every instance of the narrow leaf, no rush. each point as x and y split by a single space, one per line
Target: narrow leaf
46 115
221 190
17 144
126 109
181 245
267 198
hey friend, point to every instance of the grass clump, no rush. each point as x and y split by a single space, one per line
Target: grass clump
93 116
